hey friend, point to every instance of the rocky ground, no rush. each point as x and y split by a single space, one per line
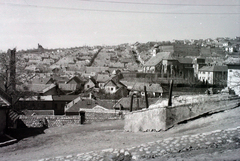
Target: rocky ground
216 143
215 137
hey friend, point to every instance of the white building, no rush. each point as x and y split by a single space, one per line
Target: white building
233 80
214 75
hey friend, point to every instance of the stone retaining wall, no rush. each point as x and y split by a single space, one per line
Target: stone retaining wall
101 116
57 121
160 117
52 121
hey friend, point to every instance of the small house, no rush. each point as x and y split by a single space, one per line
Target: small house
213 75
91 83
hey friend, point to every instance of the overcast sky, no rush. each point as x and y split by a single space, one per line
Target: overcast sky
70 23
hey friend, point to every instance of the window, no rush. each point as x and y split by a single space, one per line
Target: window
230 70
111 88
88 86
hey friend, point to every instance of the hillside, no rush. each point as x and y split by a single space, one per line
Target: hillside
182 50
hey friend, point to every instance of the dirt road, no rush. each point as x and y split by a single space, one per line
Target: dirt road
74 139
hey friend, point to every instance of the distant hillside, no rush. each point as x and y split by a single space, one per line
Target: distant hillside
182 50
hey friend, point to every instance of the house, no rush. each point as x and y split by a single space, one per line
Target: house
186 62
159 63
59 103
102 79
42 103
233 79
138 103
91 83
213 75
186 69
74 84
42 80
128 84
112 87
46 104
78 81
41 89
153 90
5 103
81 103
68 88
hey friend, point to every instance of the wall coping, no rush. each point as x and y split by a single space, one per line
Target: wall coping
229 97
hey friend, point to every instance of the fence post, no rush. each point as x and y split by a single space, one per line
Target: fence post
170 94
131 106
146 96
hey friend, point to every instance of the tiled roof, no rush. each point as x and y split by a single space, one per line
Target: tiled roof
87 103
103 78
185 60
82 103
42 80
49 88
64 97
158 58
214 68
39 88
128 84
110 83
76 79
67 87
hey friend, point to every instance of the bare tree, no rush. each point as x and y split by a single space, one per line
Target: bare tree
11 73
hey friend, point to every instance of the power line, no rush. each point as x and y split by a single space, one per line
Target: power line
163 4
117 11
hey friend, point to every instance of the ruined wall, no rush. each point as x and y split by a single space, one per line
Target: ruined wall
100 116
162 117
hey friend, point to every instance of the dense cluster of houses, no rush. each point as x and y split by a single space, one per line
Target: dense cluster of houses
62 82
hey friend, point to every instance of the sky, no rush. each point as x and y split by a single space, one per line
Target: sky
74 23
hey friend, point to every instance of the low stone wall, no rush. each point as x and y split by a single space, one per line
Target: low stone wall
160 117
57 121
101 116
52 121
